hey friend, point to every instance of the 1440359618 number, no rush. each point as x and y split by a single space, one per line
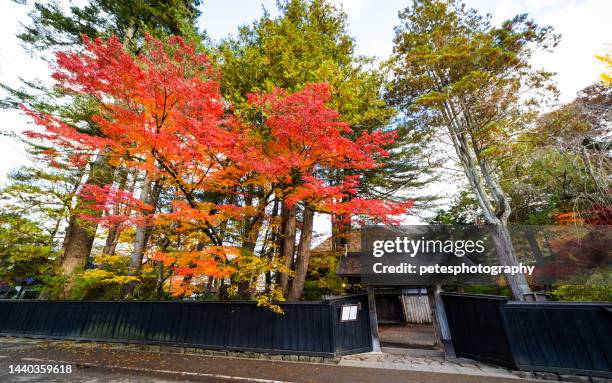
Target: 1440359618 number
40 368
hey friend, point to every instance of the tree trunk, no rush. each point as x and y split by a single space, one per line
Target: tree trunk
487 190
112 239
80 233
507 256
159 284
303 256
210 283
252 227
78 245
141 230
269 251
340 234
287 243
144 232
533 243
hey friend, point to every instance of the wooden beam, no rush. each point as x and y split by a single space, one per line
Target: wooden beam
440 322
373 320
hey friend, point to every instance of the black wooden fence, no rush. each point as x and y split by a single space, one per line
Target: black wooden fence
561 337
305 328
477 329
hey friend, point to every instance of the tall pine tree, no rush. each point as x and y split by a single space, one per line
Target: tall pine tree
307 43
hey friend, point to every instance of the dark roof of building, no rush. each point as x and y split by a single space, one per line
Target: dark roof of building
353 239
349 265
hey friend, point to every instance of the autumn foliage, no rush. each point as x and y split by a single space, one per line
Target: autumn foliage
161 114
303 141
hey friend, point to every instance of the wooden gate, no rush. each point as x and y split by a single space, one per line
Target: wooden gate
416 308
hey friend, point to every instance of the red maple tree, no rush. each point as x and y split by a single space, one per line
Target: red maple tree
161 113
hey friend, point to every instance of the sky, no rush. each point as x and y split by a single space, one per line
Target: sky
583 24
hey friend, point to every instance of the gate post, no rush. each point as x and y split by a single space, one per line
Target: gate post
373 320
439 320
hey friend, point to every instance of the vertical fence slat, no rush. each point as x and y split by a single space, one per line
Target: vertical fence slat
4 313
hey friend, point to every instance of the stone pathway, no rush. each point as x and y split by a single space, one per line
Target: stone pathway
426 362
407 335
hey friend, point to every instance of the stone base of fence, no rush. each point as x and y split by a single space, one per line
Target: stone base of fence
554 377
186 350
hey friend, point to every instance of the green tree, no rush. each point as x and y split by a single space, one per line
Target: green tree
463 210
57 26
562 165
468 81
44 195
26 251
309 42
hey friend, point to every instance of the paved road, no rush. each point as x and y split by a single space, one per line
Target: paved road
106 364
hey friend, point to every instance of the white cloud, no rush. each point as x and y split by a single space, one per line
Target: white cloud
353 8
585 32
